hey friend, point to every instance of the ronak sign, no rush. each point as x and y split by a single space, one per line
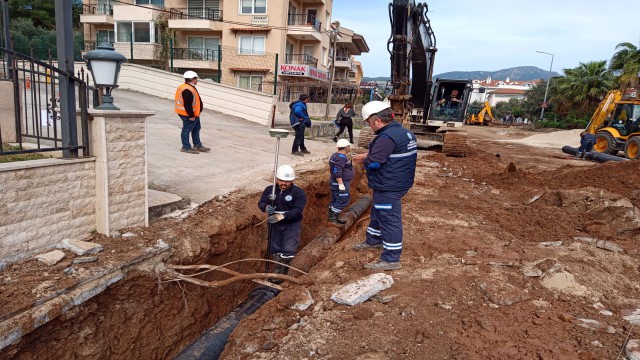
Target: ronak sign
302 70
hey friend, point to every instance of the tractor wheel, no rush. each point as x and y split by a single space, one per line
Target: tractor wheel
605 143
632 149
365 137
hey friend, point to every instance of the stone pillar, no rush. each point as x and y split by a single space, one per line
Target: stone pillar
7 113
118 140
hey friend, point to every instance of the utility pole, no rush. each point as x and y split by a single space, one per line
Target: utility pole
546 91
64 34
335 26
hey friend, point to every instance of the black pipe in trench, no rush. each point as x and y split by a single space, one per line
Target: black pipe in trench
211 343
593 155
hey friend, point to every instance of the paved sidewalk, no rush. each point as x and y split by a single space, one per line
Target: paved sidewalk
242 153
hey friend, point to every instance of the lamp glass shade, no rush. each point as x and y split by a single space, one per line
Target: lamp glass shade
104 72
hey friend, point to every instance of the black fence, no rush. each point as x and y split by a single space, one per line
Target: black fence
35 124
101 9
205 13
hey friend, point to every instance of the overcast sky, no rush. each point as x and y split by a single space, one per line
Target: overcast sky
492 35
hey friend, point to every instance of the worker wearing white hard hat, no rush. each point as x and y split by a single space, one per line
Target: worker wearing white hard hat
285 216
188 106
340 175
390 165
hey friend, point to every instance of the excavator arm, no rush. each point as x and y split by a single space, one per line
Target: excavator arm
412 46
606 107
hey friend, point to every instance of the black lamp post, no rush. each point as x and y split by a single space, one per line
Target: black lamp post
104 64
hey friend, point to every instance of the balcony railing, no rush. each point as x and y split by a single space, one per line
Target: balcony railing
195 54
301 59
304 19
206 14
89 45
100 9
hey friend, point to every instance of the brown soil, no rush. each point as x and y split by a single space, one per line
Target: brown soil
471 230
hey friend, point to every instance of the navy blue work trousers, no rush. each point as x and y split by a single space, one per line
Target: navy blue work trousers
285 238
385 225
339 201
298 141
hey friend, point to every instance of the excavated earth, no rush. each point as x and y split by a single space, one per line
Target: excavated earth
495 266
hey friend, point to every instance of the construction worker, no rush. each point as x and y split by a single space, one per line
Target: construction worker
188 106
390 165
285 216
341 173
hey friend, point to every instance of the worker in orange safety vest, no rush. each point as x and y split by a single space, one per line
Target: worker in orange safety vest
188 106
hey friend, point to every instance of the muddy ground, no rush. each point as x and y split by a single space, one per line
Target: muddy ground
483 273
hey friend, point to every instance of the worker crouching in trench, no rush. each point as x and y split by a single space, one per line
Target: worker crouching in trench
285 217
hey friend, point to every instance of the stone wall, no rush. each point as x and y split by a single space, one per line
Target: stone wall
43 202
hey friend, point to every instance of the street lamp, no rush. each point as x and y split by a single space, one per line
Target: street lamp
104 64
546 91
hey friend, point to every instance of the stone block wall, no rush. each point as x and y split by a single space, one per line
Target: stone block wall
43 202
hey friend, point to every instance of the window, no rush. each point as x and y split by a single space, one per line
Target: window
141 31
203 48
253 6
158 3
105 36
252 45
204 9
252 82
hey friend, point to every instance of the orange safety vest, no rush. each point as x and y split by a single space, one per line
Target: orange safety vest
179 105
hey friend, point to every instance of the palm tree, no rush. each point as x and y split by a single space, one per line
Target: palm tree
625 63
583 87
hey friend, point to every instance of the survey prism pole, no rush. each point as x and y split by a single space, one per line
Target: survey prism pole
278 134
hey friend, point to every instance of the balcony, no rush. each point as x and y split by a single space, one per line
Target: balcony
142 48
304 59
97 14
195 19
344 62
304 27
195 58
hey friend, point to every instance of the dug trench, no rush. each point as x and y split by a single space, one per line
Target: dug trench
146 315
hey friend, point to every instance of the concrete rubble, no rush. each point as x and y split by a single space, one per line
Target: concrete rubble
81 248
51 258
632 349
361 290
600 244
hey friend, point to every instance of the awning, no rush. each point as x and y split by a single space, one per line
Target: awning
249 69
251 29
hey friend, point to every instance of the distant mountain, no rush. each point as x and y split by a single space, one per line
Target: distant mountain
519 73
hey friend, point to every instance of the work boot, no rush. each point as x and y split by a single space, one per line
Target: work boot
383 265
297 153
280 269
190 151
203 149
333 218
365 246
305 151
335 139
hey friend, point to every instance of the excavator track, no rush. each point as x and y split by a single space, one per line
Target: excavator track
455 143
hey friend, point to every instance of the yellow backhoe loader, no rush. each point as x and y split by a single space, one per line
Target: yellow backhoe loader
480 115
616 124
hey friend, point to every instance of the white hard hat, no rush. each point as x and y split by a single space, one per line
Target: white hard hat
343 143
373 107
285 173
190 74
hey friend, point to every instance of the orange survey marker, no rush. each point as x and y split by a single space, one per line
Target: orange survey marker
28 82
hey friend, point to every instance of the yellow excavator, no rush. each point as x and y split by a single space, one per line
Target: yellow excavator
616 124
480 115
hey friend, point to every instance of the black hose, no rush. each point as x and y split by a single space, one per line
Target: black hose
211 343
593 155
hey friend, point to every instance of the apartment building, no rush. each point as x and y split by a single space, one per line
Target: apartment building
496 91
233 40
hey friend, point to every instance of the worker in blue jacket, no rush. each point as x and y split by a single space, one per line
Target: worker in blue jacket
285 216
340 175
390 165
299 119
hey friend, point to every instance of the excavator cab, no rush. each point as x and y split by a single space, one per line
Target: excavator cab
445 111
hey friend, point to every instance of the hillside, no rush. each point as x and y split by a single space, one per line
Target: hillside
519 73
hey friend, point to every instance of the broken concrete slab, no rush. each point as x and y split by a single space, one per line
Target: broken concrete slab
303 300
550 243
600 244
631 315
632 349
591 324
503 294
361 290
602 310
86 259
51 258
81 247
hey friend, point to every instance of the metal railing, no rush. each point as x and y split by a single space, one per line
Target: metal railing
206 14
89 45
37 125
305 59
195 54
100 9
304 19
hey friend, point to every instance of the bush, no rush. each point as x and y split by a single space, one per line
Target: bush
551 124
